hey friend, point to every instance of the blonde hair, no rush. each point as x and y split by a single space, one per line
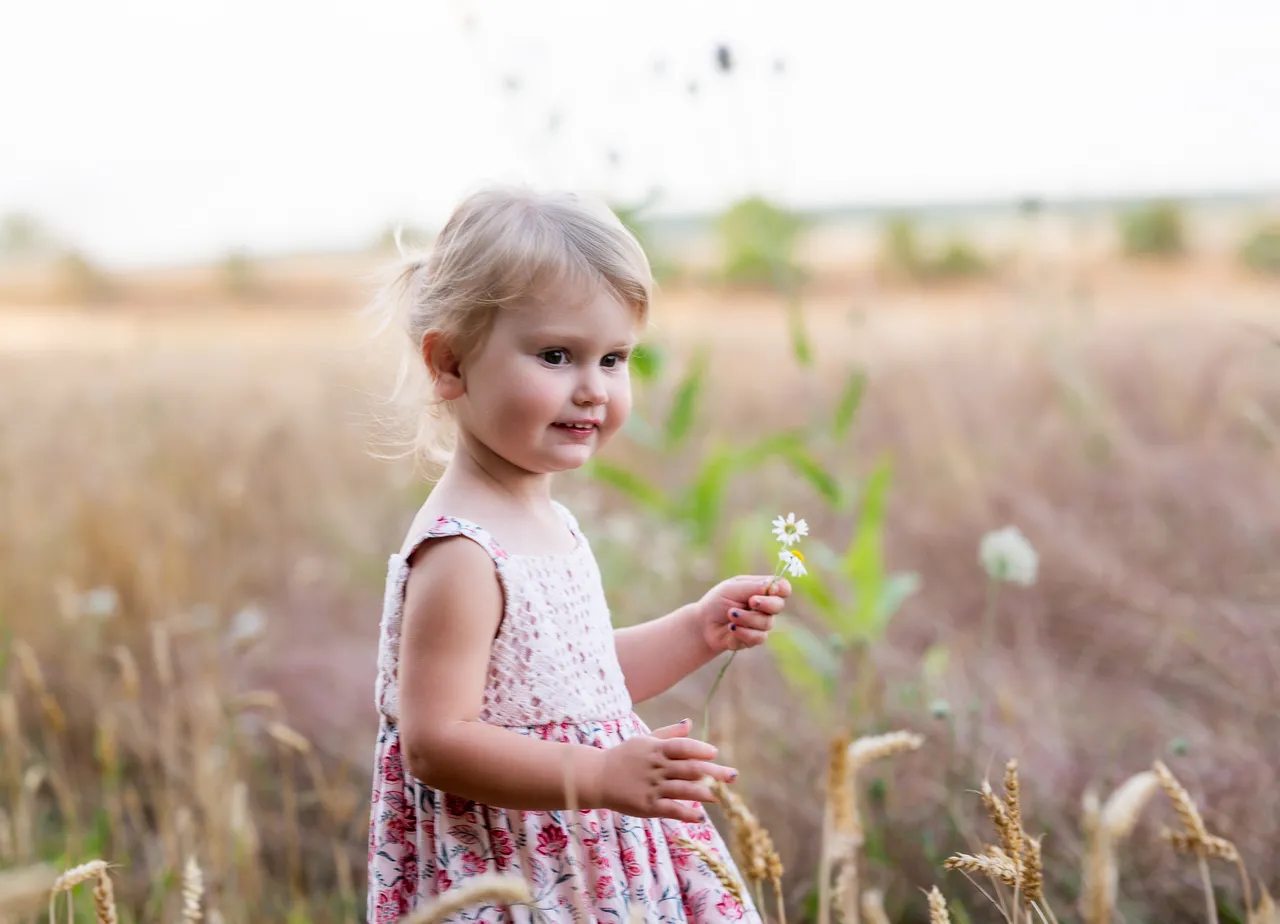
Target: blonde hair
501 247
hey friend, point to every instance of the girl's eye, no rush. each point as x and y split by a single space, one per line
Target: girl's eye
554 357
613 359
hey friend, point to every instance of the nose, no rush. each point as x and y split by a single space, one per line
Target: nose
591 390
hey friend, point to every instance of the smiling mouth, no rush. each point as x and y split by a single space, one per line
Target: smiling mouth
580 427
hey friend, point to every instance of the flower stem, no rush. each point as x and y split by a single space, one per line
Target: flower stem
706 707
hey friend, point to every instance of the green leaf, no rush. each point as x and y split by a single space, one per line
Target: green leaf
850 401
893 593
629 483
818 592
813 472
705 495
772 445
805 661
639 429
933 665
799 336
646 362
744 539
864 560
684 405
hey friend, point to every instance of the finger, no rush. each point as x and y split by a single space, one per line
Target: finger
747 619
687 790
771 604
679 730
749 638
698 769
680 811
741 587
780 587
688 749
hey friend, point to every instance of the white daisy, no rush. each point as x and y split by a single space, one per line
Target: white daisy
790 530
1006 555
794 562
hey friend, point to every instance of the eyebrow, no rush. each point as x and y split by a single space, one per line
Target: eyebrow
568 339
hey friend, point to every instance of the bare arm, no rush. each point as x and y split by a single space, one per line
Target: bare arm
656 655
453 605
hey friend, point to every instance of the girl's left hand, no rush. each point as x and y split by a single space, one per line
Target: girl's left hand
738 613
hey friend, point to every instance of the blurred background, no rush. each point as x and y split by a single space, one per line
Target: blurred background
926 270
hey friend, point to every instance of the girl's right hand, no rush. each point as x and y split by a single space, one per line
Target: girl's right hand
659 774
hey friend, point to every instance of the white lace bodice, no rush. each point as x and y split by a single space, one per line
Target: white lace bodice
553 659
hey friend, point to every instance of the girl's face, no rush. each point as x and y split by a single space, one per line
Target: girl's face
550 385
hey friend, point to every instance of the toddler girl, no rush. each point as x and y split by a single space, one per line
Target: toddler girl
502 688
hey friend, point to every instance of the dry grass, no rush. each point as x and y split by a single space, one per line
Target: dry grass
215 706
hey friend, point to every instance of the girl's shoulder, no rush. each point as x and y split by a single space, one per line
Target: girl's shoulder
427 526
431 523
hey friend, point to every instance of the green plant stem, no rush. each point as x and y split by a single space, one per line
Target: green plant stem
706 707
988 616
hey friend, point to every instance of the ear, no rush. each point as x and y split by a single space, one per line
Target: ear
443 365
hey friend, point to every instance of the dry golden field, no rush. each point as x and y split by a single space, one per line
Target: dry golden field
194 532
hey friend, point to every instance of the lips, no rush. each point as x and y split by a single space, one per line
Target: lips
579 427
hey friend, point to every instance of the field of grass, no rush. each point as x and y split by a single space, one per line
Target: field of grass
194 538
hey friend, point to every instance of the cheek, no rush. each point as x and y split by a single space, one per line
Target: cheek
619 403
532 393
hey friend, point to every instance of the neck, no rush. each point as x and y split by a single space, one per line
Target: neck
475 462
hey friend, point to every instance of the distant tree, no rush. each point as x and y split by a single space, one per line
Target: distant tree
1155 230
22 234
238 272
758 240
1260 250
81 279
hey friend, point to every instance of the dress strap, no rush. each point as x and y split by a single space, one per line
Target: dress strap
387 692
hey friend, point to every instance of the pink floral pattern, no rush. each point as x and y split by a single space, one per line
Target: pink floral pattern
423 842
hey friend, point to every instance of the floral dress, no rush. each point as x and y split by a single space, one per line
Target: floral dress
553 674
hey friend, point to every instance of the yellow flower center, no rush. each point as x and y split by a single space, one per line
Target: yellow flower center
797 554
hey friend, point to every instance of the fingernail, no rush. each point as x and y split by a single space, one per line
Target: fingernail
733 628
734 613
684 721
733 775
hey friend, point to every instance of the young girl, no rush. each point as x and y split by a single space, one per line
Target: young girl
503 690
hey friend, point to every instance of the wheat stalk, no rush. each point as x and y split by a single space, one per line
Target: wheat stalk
104 900
1213 847
873 907
938 913
1188 814
1194 837
717 867
1013 807
496 889
870 748
1121 811
69 879
1031 873
997 868
192 891
840 787
1265 913
23 890
998 812
1106 827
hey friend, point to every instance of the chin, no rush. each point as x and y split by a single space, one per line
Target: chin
577 457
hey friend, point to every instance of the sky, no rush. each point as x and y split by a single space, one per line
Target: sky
150 132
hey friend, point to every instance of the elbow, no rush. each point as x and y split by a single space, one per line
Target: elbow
420 756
